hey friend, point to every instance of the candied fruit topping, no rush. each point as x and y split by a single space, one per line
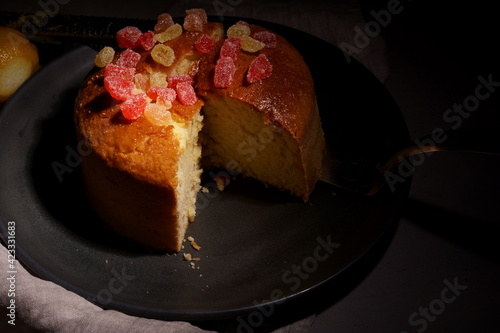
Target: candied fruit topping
224 72
238 30
163 93
231 48
199 12
118 87
186 111
141 82
158 79
163 54
260 69
104 57
267 38
147 40
172 32
204 44
193 22
158 115
125 73
243 22
128 37
164 22
134 107
175 79
186 93
251 45
128 58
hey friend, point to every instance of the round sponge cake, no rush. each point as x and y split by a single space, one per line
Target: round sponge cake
149 146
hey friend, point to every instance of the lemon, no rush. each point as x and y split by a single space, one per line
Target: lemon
18 61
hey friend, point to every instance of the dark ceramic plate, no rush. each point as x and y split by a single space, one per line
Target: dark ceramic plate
259 245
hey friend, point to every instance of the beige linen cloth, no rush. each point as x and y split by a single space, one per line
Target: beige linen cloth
44 306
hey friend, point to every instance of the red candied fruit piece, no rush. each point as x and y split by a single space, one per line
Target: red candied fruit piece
200 12
127 37
119 71
193 22
204 44
174 79
164 93
147 40
118 87
260 69
164 22
128 58
231 48
134 107
185 93
267 38
224 72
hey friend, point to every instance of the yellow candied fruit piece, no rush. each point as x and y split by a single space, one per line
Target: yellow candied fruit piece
158 114
250 44
158 79
238 30
172 32
104 57
163 54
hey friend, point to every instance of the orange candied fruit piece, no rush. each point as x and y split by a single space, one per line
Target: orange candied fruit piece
251 45
158 114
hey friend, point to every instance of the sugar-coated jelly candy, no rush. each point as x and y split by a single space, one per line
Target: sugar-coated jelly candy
175 79
128 58
186 93
204 44
224 72
126 73
251 45
260 68
163 93
193 22
238 30
158 79
104 57
172 32
127 37
158 114
134 107
163 54
141 81
147 40
199 12
118 87
267 38
231 48
164 22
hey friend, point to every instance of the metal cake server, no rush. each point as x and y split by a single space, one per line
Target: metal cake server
368 179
